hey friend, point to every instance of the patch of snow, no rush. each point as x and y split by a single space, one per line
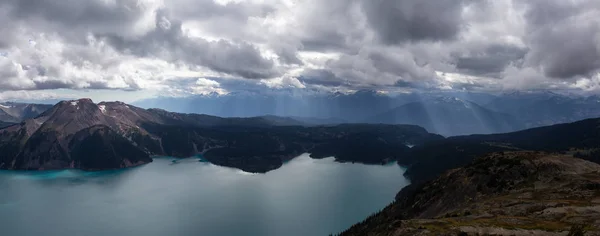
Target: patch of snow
409 145
5 107
102 108
74 103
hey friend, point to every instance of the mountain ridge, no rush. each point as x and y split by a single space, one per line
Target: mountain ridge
258 144
500 112
448 116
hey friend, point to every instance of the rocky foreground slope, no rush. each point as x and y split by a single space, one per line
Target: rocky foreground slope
512 193
84 135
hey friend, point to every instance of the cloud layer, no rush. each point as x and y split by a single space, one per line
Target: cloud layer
175 47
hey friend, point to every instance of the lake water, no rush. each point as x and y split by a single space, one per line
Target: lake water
188 197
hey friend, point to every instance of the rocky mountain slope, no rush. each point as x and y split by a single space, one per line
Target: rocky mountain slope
72 134
82 134
508 193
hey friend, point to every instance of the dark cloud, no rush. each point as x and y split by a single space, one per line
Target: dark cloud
117 22
287 52
167 41
202 9
570 53
76 12
491 62
73 19
399 21
405 84
51 84
331 26
321 77
349 44
563 37
403 65
121 16
325 42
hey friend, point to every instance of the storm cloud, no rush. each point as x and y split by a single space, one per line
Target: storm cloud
397 21
187 47
564 37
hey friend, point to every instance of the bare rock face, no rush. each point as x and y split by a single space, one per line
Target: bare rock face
514 193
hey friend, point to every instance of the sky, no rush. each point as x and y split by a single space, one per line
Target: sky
134 49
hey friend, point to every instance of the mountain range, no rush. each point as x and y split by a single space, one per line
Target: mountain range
449 116
446 113
85 135
12 112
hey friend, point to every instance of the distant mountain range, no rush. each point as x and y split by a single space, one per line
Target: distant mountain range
447 113
349 107
546 108
449 116
11 112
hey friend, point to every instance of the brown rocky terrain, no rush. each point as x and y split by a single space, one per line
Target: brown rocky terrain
510 193
54 140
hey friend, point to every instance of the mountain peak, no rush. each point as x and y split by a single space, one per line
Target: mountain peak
75 103
83 100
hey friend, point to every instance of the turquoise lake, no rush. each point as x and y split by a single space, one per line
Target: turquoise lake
189 197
